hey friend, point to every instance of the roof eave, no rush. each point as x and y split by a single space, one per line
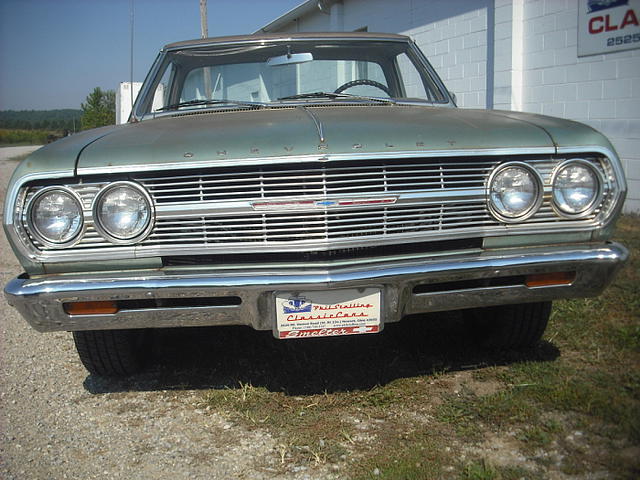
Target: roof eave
293 14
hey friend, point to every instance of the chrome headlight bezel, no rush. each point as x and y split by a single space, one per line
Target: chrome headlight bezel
110 236
597 198
503 216
31 225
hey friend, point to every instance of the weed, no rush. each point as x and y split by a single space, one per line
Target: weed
419 460
480 470
627 336
379 398
535 437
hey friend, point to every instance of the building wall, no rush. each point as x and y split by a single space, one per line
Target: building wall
454 36
512 55
600 90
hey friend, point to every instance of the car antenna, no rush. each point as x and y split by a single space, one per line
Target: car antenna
131 18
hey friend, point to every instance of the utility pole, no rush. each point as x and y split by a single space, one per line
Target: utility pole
204 33
204 27
131 20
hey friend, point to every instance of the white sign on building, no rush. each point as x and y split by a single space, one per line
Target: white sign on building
606 26
126 95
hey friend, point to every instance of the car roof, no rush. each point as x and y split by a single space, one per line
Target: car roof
287 37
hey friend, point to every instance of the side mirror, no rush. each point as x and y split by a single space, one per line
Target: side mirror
289 59
454 98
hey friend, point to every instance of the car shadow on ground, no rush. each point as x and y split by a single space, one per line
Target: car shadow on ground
226 357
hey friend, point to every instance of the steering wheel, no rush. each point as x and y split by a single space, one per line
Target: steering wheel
362 81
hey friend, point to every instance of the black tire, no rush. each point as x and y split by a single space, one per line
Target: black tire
510 326
112 353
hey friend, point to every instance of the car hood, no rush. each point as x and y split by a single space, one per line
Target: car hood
323 130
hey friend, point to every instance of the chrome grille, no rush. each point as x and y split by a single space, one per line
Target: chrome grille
212 210
312 179
303 227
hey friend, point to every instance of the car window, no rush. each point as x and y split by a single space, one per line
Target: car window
413 84
201 77
258 82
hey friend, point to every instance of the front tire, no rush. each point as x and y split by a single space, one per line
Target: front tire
510 326
112 353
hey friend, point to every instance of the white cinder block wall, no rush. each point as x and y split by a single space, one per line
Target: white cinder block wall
513 55
453 35
600 90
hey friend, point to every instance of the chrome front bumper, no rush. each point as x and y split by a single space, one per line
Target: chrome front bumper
408 286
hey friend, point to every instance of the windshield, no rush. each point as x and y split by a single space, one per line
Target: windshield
243 76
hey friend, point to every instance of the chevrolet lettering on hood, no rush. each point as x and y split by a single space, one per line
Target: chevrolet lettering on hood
312 185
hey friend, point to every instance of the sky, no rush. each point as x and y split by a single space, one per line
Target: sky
53 53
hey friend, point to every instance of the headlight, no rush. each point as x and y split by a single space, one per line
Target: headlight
576 188
55 216
515 192
123 212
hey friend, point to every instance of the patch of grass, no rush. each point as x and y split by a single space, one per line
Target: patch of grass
484 470
379 398
518 473
537 387
630 381
627 337
479 470
460 413
317 428
415 462
312 432
540 435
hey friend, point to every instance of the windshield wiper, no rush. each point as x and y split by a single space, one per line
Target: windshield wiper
333 95
192 103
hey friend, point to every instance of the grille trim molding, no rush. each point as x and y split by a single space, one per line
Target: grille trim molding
541 223
330 157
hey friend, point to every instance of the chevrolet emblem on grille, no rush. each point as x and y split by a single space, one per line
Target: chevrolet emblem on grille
324 203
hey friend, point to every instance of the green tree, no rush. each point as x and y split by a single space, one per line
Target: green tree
99 109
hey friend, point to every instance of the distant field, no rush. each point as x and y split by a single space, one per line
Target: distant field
14 137
36 127
61 119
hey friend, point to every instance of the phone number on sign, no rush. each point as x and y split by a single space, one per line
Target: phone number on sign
623 39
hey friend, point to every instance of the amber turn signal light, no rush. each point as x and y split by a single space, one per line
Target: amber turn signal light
550 279
90 308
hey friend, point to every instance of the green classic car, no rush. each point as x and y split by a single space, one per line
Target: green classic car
314 184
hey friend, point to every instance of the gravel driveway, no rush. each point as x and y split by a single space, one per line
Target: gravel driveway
57 422
11 152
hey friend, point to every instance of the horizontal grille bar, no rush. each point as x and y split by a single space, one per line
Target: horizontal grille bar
314 179
327 224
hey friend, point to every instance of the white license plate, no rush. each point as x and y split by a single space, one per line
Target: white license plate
327 313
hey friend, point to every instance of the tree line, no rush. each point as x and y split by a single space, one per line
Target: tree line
98 109
63 119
